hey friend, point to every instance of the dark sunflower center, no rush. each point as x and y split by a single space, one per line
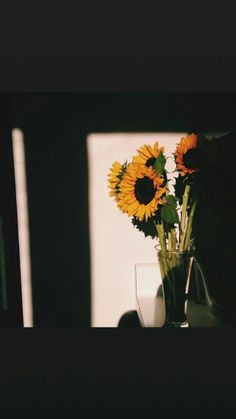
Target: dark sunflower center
144 190
150 162
193 159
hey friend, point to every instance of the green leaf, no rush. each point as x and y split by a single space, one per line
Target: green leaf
159 164
171 200
169 213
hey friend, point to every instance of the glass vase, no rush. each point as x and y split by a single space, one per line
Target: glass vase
175 269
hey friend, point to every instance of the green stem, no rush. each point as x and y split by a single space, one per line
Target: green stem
161 235
166 270
173 246
169 241
174 260
173 239
190 226
183 217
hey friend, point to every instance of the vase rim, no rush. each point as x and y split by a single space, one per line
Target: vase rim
174 252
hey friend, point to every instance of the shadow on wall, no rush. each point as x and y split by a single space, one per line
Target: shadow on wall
215 228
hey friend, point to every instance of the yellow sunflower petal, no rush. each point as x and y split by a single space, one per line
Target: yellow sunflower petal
147 152
185 144
129 202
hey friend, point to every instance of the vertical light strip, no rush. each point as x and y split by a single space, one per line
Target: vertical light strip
23 225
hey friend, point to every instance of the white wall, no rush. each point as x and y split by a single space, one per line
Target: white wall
116 246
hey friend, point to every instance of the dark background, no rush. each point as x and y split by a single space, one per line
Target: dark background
55 127
81 372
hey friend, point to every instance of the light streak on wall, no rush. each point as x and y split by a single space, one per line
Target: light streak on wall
23 225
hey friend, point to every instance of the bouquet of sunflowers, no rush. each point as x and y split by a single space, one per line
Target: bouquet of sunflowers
141 189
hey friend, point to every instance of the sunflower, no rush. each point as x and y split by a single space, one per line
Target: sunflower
114 178
189 157
148 154
140 191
